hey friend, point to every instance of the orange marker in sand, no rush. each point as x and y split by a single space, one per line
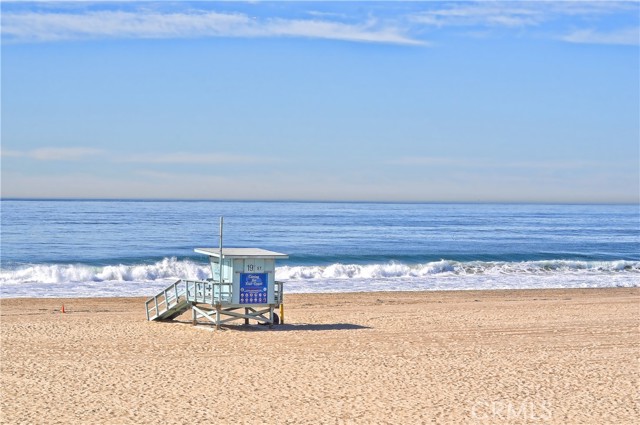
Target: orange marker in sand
62 308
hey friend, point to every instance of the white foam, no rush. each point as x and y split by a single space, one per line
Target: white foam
70 280
444 267
168 268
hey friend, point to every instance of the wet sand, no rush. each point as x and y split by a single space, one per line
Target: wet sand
527 356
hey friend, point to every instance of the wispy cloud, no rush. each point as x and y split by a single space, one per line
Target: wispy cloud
198 159
387 23
517 14
627 36
51 26
369 31
54 154
179 158
583 17
487 13
431 160
475 163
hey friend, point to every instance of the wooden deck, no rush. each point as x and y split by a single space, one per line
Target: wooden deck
209 300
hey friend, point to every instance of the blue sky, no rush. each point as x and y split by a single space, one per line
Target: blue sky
383 101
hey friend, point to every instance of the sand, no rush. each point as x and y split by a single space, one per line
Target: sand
528 356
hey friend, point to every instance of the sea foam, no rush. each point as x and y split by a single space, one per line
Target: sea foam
51 280
168 268
172 268
444 267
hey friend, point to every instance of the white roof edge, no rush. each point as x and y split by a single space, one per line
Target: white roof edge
241 253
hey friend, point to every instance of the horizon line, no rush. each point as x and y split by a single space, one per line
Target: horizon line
316 201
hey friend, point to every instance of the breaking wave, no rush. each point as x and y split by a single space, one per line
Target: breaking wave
168 268
445 267
172 268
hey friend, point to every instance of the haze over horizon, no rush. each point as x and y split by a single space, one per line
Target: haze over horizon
312 101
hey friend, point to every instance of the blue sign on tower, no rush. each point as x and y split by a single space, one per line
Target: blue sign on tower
253 288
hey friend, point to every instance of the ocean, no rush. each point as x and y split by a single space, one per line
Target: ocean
78 248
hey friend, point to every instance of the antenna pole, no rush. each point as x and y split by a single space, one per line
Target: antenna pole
220 261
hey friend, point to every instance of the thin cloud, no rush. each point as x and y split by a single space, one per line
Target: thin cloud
395 27
628 36
49 26
431 160
54 154
517 14
488 163
319 14
583 17
198 159
365 32
488 14
80 153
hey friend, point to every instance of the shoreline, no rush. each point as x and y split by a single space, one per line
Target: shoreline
522 291
469 356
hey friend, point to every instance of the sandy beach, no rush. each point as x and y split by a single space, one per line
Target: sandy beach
525 356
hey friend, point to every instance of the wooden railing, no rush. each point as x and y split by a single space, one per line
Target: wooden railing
209 292
278 295
165 300
176 295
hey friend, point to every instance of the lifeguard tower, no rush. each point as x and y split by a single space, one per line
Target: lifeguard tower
242 286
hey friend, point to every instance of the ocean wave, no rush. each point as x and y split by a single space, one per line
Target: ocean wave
172 268
168 268
82 280
445 267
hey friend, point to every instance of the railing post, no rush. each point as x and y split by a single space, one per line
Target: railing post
156 300
270 316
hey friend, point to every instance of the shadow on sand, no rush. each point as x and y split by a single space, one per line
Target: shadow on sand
280 328
314 327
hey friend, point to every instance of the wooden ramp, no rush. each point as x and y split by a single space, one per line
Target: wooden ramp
183 294
211 301
168 304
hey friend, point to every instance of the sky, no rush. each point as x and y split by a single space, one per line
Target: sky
345 101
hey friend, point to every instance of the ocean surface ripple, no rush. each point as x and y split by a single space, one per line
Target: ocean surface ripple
135 248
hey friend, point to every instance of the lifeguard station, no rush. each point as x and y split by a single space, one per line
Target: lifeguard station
242 286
